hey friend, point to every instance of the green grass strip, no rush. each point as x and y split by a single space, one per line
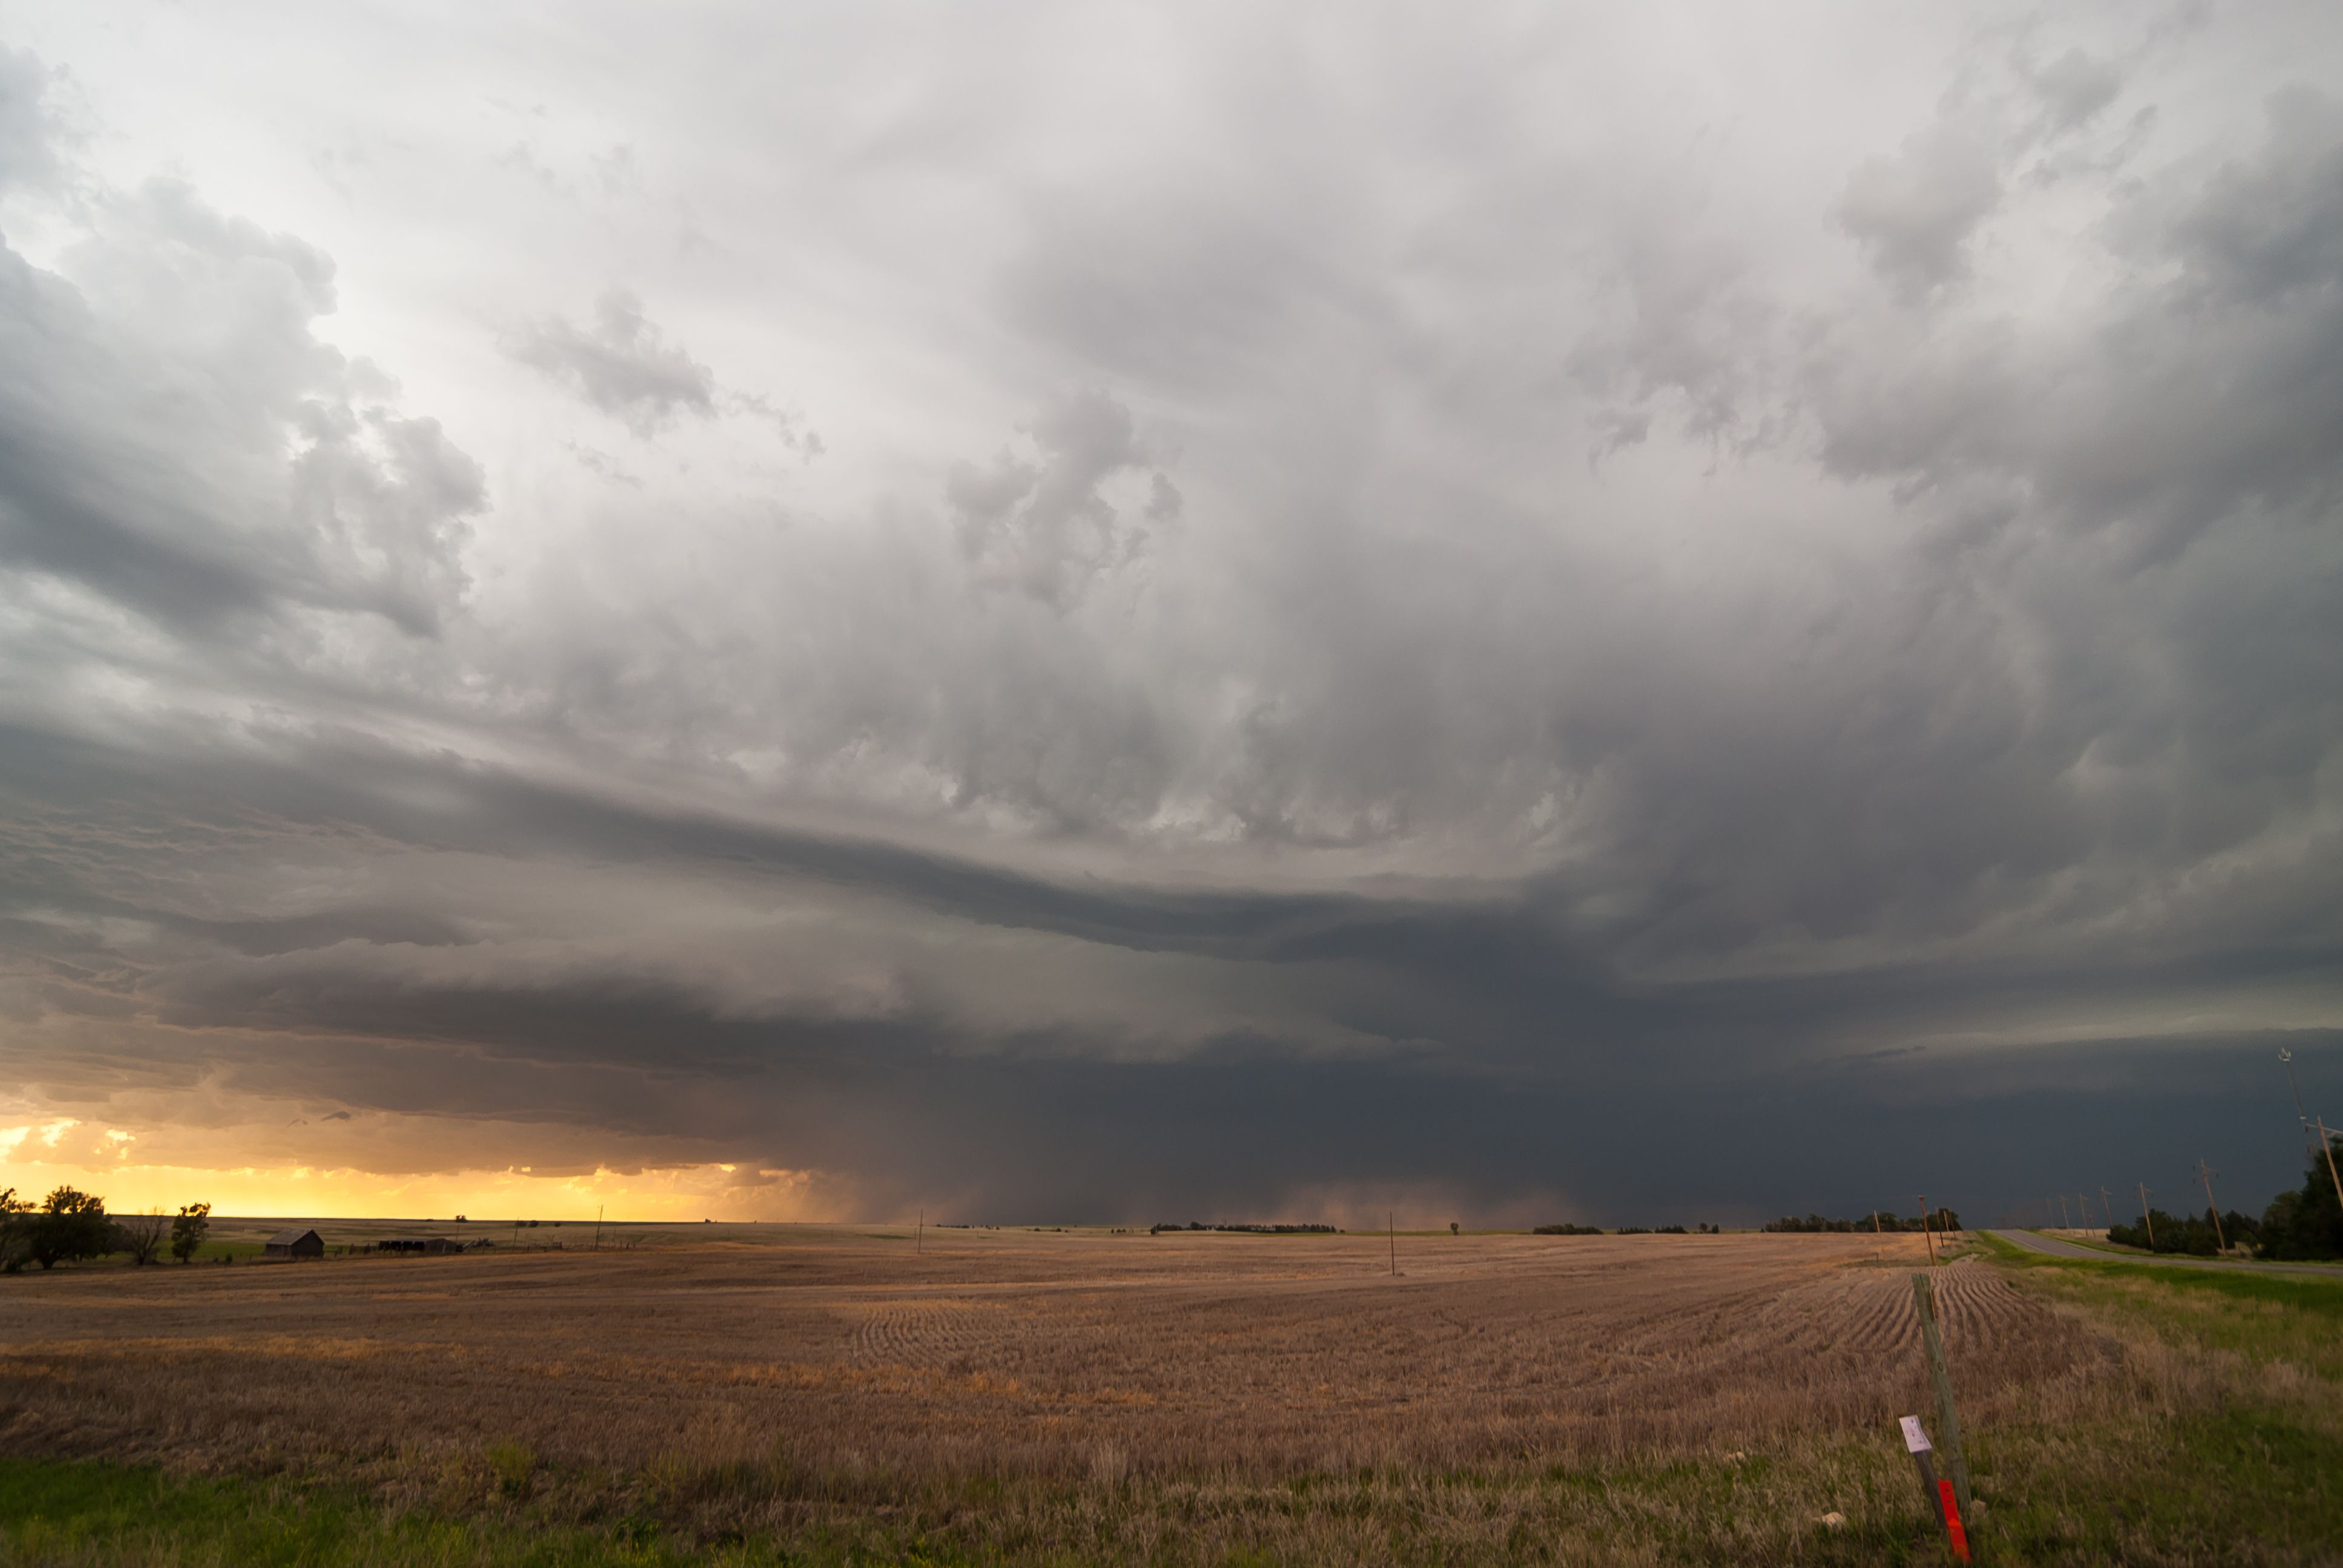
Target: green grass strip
2303 1293
94 1513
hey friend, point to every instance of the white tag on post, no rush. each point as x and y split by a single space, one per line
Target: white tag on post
1914 1439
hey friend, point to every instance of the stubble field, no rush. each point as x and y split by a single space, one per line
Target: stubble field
759 1394
1035 1353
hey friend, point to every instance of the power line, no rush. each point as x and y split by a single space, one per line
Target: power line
2205 1173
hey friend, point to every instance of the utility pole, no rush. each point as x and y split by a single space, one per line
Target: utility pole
2146 1218
598 1226
2326 1146
2205 1173
2107 1204
2083 1205
1929 1235
2062 1213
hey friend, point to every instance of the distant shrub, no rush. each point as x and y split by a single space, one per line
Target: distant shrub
70 1226
141 1236
2195 1235
188 1230
1566 1231
13 1230
1939 1220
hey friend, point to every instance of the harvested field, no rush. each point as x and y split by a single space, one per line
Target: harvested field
1081 1354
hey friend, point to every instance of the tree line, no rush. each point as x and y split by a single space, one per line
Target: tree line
1624 1231
2302 1225
68 1226
1937 1219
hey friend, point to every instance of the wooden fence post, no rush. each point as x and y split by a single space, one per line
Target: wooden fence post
1924 1298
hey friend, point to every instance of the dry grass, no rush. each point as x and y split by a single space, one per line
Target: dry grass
1011 1353
758 1395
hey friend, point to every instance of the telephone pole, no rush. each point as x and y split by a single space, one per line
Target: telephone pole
2146 1218
2107 1203
1930 1236
2205 1173
2326 1143
2062 1213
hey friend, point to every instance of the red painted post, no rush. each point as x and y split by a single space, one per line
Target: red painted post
1937 1490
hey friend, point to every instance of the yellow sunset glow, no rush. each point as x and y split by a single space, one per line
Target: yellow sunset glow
715 1191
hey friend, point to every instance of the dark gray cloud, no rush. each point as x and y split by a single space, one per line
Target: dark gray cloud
1914 212
2074 87
174 439
1041 526
1284 769
26 156
619 363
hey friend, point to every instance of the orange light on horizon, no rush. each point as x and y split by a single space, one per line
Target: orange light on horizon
687 1192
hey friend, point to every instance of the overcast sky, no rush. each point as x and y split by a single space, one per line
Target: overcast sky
1108 612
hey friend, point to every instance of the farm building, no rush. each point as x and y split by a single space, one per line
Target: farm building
427 1246
295 1244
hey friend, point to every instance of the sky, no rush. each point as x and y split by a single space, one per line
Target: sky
1101 612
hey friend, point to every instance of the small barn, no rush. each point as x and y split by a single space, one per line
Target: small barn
422 1246
295 1244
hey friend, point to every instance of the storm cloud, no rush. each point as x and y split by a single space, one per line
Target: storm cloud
621 364
1589 617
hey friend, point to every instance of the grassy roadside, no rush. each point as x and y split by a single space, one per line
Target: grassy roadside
2267 1319
2099 1245
2212 1439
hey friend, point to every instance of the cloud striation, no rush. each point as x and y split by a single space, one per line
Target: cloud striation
1460 611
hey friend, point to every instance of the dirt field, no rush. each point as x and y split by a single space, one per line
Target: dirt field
1078 1353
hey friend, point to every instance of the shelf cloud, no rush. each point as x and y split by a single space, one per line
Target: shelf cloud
1612 617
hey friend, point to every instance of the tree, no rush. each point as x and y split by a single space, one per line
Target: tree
2307 1223
141 1236
2200 1235
70 1226
188 1230
13 1211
